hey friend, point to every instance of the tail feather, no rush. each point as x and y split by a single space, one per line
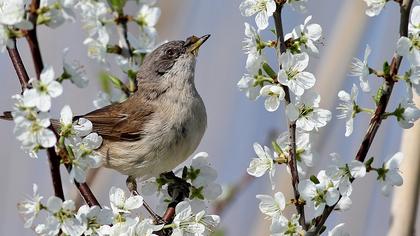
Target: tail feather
7 115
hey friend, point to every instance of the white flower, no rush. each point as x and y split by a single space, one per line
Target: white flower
407 114
93 218
186 223
319 194
121 204
33 131
97 48
79 128
262 164
62 218
247 85
74 71
43 90
145 42
307 113
252 47
347 108
274 94
342 173
408 47
414 80
305 36
206 177
5 40
338 230
374 7
12 12
360 69
272 206
30 208
389 174
303 149
281 226
148 16
145 227
298 5
263 8
84 155
92 14
414 25
292 73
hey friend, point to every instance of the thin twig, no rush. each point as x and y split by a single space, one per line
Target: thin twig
18 65
376 119
87 194
281 48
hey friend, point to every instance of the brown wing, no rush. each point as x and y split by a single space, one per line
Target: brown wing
122 121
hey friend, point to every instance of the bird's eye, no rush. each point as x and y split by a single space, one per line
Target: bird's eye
170 52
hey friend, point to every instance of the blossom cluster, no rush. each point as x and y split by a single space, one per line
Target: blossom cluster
293 85
123 216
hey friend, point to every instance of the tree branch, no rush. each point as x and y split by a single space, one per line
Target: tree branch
18 65
376 119
32 38
281 48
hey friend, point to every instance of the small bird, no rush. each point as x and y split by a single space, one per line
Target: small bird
162 123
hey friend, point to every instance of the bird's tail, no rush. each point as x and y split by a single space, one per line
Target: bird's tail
7 115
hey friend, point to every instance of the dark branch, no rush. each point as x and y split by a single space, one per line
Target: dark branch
18 65
281 48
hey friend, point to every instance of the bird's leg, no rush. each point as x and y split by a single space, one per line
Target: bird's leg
178 188
132 187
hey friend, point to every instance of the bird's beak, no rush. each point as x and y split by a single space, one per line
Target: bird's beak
194 43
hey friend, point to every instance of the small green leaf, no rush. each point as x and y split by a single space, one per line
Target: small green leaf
314 179
270 72
197 193
386 68
369 162
377 97
276 147
117 5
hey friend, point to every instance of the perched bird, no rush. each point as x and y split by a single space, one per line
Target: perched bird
162 123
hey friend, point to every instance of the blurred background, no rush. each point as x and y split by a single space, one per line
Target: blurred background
234 122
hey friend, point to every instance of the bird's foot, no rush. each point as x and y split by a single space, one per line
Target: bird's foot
132 187
178 188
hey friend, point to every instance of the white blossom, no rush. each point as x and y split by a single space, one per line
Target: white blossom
414 80
298 5
263 8
305 36
307 113
247 84
121 204
272 206
360 69
252 47
187 223
409 48
407 114
292 73
97 48
262 164
374 7
145 227
281 226
92 218
30 208
93 15
147 18
12 12
206 177
74 71
43 90
338 230
389 174
274 94
414 25
347 108
318 195
5 40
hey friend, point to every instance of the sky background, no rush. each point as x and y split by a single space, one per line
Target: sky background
234 122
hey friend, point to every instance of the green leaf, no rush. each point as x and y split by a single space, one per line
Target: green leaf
369 162
117 5
378 95
197 193
276 147
270 72
104 82
314 179
386 68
